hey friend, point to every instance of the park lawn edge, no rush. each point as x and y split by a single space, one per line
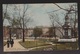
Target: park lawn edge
35 45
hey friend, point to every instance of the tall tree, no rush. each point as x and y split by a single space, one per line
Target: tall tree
19 17
5 11
37 32
55 19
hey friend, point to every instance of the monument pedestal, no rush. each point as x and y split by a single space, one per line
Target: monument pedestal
67 40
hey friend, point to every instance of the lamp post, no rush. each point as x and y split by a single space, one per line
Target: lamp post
10 32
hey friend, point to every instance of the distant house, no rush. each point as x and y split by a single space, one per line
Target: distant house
45 31
29 32
18 32
5 32
58 32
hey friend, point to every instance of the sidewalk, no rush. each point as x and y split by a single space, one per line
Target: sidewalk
16 47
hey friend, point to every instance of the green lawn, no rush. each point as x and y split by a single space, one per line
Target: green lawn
60 46
31 44
44 42
67 46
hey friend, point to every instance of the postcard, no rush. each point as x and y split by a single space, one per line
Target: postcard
40 27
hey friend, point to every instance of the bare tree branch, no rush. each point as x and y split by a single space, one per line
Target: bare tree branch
65 9
60 7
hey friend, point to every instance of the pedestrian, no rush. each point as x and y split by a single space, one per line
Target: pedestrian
12 42
8 42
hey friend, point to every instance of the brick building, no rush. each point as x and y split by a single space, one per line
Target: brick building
5 32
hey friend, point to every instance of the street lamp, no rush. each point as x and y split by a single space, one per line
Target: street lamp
10 32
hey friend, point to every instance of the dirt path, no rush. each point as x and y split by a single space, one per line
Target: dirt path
16 47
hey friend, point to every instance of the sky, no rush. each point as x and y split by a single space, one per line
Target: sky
39 13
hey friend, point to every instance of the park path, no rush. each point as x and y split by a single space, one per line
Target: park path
17 47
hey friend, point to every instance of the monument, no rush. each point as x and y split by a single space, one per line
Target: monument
67 28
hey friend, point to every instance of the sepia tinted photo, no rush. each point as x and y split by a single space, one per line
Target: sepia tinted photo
40 27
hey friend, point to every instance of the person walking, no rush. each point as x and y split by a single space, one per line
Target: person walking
12 42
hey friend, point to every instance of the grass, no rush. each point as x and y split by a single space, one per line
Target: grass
31 44
66 46
4 43
44 42
46 48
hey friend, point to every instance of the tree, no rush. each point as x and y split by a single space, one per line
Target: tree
64 8
5 12
72 14
19 17
23 19
52 32
6 16
56 23
74 20
37 32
